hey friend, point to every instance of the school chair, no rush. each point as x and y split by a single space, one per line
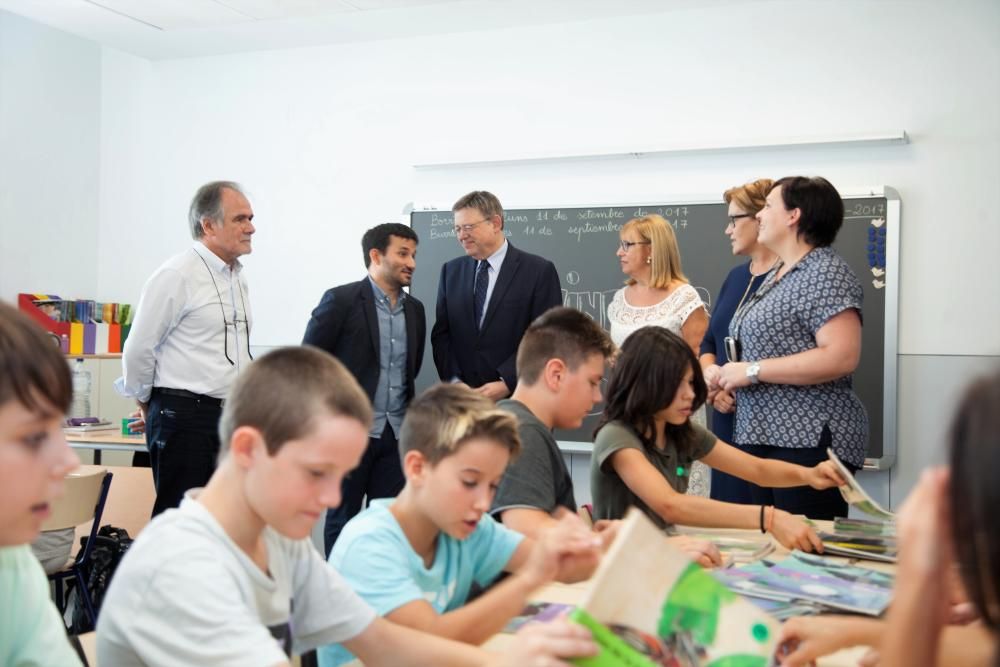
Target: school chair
85 494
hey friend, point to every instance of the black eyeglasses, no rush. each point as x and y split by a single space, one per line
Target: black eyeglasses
627 245
734 218
225 322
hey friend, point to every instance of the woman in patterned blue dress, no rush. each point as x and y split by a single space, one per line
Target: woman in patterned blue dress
744 201
798 342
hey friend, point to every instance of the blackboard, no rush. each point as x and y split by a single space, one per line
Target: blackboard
582 240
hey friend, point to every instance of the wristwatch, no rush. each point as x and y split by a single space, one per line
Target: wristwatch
753 372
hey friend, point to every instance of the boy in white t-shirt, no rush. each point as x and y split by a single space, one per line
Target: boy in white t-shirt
35 392
231 578
416 558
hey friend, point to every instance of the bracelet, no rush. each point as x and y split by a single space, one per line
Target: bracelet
770 519
762 507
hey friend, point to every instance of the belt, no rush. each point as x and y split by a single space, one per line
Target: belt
190 395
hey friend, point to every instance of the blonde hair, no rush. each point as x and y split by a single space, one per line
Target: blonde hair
665 267
750 197
446 416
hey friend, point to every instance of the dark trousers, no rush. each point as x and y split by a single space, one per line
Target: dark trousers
730 489
182 435
805 500
379 475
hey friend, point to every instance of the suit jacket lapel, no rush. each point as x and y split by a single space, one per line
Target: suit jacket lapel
467 276
504 281
368 306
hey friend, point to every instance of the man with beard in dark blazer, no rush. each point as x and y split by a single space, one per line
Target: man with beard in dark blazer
377 330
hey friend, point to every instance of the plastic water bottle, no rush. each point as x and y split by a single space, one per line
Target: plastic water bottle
80 407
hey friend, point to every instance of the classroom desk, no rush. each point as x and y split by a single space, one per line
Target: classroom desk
109 440
573 593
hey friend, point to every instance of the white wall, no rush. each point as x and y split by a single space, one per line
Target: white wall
325 139
50 88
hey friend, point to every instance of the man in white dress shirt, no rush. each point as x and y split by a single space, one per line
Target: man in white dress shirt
190 340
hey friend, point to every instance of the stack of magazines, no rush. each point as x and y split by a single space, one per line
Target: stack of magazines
801 584
871 539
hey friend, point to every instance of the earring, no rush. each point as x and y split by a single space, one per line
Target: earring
649 260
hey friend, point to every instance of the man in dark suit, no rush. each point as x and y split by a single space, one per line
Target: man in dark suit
378 332
487 299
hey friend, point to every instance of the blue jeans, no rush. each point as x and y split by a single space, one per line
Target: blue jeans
379 475
182 435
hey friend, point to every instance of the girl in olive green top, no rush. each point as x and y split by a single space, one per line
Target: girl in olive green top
646 443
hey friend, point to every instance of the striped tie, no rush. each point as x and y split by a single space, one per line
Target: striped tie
479 290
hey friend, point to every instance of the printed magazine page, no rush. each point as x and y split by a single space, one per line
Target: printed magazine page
855 495
649 605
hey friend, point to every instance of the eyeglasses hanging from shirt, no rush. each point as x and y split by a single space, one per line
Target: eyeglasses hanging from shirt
234 323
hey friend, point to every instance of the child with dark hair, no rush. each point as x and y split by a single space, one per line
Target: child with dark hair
35 392
646 443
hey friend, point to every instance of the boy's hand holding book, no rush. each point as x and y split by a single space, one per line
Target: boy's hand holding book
568 551
546 644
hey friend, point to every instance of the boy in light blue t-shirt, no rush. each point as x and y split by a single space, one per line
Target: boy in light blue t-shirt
35 392
416 557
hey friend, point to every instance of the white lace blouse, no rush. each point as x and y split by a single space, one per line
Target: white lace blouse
671 313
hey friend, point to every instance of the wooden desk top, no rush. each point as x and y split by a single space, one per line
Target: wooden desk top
108 437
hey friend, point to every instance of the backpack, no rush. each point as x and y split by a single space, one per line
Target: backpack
110 546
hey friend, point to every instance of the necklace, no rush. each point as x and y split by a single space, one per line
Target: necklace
750 284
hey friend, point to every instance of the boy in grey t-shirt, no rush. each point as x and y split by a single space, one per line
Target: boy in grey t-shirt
560 364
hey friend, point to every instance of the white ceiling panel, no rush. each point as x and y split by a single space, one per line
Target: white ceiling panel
164 29
373 5
174 14
286 9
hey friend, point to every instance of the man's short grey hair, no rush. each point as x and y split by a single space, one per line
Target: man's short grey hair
207 203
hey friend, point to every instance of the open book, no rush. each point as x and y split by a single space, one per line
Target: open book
854 494
649 605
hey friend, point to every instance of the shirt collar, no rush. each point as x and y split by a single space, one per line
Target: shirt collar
496 259
814 255
379 294
214 261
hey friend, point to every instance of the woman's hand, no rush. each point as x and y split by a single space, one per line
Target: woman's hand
734 375
824 476
712 373
723 402
794 533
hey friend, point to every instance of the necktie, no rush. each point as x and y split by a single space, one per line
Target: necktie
479 290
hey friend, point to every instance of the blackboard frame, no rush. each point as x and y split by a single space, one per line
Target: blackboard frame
893 216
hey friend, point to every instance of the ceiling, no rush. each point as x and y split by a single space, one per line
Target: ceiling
158 29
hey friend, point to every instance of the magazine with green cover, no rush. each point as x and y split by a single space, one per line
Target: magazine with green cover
648 605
